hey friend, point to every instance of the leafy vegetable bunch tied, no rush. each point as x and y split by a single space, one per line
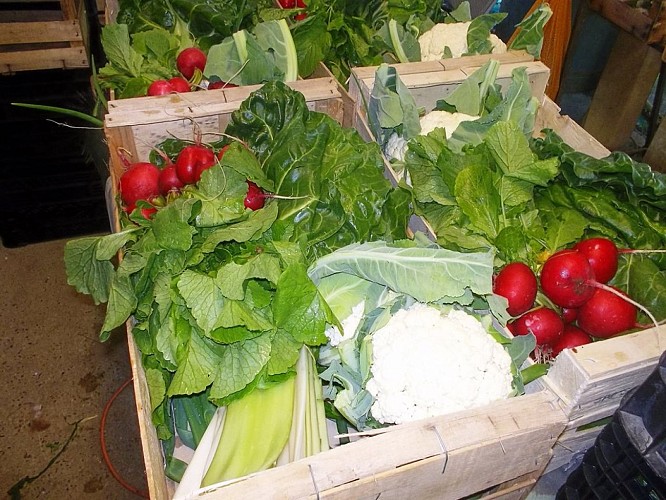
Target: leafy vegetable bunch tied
218 294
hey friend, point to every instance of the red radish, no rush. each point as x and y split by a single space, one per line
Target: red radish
169 180
569 314
607 313
301 15
287 4
254 200
139 182
191 161
567 278
602 255
160 87
543 322
146 212
189 60
179 84
219 84
571 337
518 284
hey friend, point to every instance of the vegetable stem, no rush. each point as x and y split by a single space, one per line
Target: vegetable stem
64 111
256 429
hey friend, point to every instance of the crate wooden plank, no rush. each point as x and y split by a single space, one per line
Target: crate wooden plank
40 32
56 58
452 456
436 83
623 88
591 381
571 132
142 122
32 39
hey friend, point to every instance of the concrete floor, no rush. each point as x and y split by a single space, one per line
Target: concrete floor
56 373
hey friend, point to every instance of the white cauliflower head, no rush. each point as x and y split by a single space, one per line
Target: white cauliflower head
425 364
349 326
444 119
396 146
453 36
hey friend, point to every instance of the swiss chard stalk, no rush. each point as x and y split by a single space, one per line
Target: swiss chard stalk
255 430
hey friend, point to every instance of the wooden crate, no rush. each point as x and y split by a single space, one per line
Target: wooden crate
500 449
139 123
589 381
433 80
50 38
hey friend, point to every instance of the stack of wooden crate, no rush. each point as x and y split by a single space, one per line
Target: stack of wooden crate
43 35
496 451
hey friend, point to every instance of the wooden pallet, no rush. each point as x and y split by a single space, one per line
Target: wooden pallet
36 39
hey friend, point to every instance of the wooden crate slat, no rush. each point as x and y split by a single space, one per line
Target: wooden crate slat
436 82
34 39
40 32
67 58
591 381
147 110
482 447
573 134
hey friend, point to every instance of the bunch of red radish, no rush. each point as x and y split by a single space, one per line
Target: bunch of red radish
190 63
294 4
144 181
574 280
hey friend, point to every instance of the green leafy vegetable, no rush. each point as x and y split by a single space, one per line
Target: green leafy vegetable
247 59
530 31
218 295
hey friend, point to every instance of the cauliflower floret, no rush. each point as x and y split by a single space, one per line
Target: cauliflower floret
349 326
453 36
445 120
426 364
396 147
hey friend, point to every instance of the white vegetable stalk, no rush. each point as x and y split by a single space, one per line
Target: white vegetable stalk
273 426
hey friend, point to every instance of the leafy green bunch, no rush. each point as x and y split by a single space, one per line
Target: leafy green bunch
218 294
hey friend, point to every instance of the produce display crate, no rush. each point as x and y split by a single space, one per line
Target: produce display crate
44 35
589 381
137 124
500 449
433 80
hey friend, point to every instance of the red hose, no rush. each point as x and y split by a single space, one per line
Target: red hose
102 441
